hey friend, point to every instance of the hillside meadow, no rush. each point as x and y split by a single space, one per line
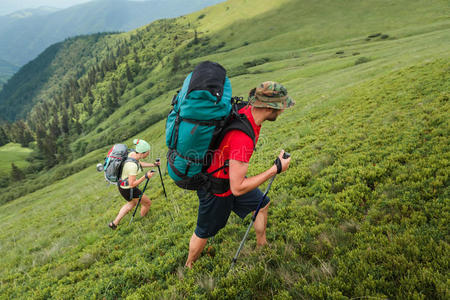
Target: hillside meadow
12 153
363 211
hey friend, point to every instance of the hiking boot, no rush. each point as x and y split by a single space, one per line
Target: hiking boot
112 225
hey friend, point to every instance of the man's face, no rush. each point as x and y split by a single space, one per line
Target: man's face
274 114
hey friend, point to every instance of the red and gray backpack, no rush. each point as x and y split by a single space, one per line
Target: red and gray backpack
114 161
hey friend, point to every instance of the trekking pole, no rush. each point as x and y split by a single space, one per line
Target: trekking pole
160 176
140 197
233 262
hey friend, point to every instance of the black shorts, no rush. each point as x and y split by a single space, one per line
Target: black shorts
213 211
130 194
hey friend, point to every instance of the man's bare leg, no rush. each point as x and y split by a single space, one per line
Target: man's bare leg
260 226
196 246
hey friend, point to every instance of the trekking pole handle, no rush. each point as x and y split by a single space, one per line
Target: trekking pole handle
158 159
278 163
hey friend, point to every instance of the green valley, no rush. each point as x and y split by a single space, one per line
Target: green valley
12 154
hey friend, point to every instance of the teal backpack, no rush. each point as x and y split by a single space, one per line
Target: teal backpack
203 112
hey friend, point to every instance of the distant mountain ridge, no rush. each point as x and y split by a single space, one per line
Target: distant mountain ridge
32 12
7 67
25 34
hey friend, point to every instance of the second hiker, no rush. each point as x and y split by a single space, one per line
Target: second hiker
129 183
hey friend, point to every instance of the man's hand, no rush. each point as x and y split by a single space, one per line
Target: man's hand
284 161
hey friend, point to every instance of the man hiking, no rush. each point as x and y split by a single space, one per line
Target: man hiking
128 184
266 103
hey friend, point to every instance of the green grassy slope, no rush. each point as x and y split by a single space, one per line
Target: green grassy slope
292 24
362 212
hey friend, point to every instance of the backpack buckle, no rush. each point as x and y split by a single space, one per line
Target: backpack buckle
123 182
174 99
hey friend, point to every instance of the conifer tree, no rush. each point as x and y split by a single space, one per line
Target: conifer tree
3 137
176 64
195 37
129 75
64 121
16 173
20 133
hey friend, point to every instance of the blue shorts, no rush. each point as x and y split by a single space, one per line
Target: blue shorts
213 211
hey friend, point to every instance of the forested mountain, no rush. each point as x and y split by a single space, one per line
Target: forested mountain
25 34
41 78
362 212
35 80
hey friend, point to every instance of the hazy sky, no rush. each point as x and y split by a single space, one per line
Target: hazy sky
9 6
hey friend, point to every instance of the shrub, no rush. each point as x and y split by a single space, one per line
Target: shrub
256 62
236 71
361 60
374 35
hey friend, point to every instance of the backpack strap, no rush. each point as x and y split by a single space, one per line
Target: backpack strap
221 185
240 122
130 159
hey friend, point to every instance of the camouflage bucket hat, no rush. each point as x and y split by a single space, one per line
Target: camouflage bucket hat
271 95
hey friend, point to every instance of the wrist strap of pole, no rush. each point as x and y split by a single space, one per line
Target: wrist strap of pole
277 163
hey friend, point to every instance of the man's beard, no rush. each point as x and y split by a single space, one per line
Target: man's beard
273 116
